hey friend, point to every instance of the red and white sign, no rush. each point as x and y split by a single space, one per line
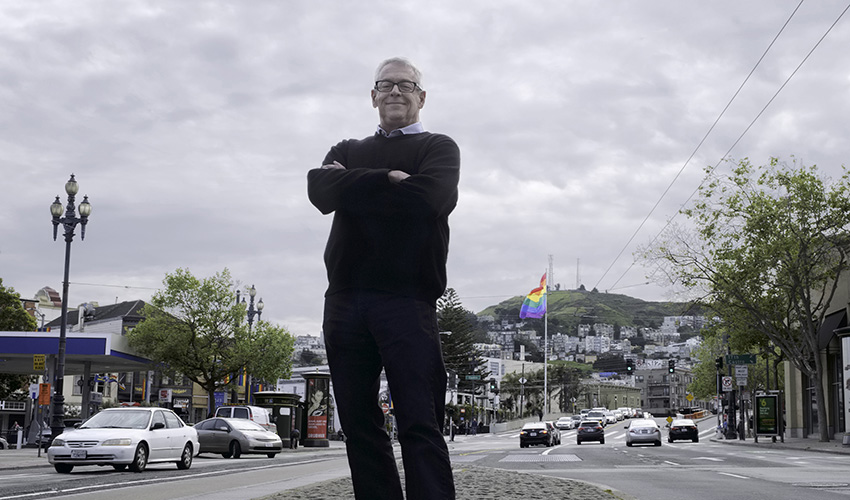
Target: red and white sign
386 408
165 395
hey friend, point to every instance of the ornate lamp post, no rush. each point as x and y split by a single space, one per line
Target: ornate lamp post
252 292
69 222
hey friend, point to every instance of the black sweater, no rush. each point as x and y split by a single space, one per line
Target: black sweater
388 237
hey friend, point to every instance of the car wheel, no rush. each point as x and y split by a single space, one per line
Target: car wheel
235 449
578 442
602 441
63 468
658 443
696 439
119 466
628 444
669 440
271 455
140 459
185 458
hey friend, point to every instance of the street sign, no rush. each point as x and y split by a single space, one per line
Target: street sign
44 394
741 371
38 362
740 359
726 384
523 380
742 381
689 397
386 408
473 377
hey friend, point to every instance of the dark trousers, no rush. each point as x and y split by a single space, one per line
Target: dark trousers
364 332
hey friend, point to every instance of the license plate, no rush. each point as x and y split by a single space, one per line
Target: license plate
78 453
532 434
269 445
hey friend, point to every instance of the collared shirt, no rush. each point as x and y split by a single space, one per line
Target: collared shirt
415 128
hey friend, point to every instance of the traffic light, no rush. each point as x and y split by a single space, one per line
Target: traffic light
718 363
493 386
630 366
671 366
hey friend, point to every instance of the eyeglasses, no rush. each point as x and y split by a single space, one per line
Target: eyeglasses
404 86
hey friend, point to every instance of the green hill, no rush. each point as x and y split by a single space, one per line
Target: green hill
568 308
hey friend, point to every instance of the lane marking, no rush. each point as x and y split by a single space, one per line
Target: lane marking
733 475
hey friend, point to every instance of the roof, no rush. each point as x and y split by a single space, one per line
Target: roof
130 311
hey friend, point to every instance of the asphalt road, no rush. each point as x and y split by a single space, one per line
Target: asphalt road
682 470
677 471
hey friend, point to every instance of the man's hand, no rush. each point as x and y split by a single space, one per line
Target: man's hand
397 176
334 165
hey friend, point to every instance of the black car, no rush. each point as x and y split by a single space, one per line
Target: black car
590 430
536 433
683 429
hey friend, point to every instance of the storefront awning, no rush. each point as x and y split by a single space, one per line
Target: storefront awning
827 329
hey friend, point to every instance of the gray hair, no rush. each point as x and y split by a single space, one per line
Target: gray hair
403 62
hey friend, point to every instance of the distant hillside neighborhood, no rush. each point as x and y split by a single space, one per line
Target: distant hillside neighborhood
588 323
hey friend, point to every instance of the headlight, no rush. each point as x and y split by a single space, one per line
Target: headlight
117 442
58 442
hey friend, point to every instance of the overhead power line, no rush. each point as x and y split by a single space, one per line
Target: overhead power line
628 243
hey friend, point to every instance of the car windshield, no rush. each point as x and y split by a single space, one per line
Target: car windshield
119 419
680 423
596 414
643 423
533 427
245 425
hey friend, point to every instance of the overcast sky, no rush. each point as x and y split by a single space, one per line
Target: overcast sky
191 126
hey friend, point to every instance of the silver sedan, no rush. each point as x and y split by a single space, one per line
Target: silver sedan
643 431
233 437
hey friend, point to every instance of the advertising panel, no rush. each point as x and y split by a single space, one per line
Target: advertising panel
767 415
317 408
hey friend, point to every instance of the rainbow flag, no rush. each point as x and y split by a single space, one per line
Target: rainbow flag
534 305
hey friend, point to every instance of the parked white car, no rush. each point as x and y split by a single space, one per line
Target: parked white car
126 437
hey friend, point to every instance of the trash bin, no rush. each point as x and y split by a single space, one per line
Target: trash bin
282 407
846 441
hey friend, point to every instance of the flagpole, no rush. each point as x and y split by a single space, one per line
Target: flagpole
546 353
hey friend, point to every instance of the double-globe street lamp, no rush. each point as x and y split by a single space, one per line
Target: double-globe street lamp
69 222
252 292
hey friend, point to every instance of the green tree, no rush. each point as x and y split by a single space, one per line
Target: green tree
457 337
768 246
196 327
566 378
13 318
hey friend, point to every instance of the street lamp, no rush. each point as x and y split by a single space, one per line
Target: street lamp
252 292
69 222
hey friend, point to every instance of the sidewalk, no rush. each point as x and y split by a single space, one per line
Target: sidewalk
806 444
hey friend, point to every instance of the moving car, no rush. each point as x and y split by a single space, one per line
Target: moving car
535 433
683 428
233 437
609 415
565 423
597 415
4 445
126 437
556 433
643 431
627 412
590 430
